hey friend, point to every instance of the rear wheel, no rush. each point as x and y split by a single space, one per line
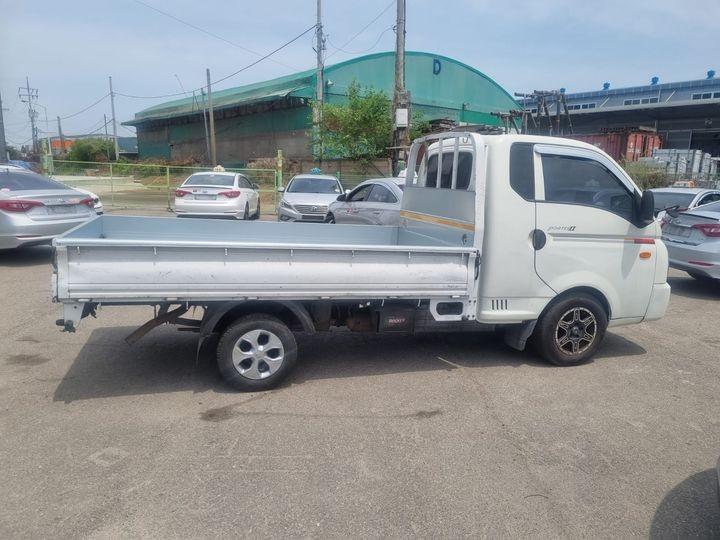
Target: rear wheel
256 353
570 331
330 218
256 215
246 212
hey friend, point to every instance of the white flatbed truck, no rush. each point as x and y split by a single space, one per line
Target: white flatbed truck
547 238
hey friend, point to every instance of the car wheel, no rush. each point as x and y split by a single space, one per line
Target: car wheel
330 218
256 353
570 331
246 212
256 215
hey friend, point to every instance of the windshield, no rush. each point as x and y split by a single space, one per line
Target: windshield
210 179
20 181
664 200
306 184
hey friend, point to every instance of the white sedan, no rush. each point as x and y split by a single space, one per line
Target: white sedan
218 194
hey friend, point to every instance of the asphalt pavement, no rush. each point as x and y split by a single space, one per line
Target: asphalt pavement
372 436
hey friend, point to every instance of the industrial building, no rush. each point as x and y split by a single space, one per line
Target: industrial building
686 115
256 120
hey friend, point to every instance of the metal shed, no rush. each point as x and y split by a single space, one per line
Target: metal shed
258 119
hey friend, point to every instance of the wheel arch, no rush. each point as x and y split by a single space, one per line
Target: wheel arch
293 314
591 291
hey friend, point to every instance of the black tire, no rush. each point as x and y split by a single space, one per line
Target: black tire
257 214
234 344
246 213
562 344
330 218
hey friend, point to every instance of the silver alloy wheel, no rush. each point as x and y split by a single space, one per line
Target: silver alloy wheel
576 331
258 354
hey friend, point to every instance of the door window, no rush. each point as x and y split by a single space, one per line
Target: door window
381 194
707 199
574 180
244 183
360 194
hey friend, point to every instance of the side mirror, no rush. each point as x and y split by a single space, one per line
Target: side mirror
281 189
255 186
646 212
347 192
341 197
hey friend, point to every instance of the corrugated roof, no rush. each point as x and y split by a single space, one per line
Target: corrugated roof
302 85
249 94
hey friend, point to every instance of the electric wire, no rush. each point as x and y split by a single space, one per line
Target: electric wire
337 49
256 62
204 31
363 51
86 108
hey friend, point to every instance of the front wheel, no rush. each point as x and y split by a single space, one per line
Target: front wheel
570 331
256 353
330 218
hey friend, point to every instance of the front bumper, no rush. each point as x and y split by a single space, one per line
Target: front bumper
659 300
287 214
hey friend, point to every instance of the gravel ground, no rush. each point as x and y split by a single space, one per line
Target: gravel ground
373 436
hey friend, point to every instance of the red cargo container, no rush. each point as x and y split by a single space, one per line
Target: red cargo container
623 145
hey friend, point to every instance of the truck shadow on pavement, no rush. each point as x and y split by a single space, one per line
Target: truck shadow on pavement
30 256
690 510
165 360
692 288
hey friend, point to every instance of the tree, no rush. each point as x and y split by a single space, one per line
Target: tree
360 129
13 152
92 150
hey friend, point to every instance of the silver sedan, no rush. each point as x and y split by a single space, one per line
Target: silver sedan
35 209
217 194
373 202
693 240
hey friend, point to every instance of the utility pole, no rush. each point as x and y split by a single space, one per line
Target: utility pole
62 137
105 122
401 98
112 110
213 149
3 144
207 134
28 95
319 83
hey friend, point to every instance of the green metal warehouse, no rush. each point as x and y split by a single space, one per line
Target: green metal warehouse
256 120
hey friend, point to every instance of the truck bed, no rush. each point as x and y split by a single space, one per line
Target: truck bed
127 259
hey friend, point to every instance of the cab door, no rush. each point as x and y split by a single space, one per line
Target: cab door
351 211
379 203
585 235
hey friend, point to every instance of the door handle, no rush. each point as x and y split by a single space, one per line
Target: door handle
538 239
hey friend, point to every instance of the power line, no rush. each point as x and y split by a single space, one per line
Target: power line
256 62
391 4
199 29
366 50
85 109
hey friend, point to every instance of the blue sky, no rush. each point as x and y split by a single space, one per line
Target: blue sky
69 49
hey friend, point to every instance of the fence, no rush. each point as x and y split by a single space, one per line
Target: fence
149 186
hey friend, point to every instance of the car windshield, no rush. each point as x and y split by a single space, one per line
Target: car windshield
306 184
21 181
664 199
210 179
